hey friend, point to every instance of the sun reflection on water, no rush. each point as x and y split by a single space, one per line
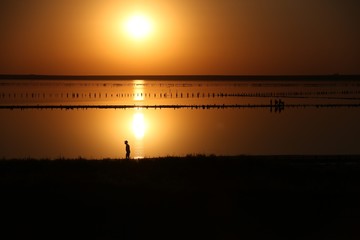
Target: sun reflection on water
138 121
138 125
138 129
139 90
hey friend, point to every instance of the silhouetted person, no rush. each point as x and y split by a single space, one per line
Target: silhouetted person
127 148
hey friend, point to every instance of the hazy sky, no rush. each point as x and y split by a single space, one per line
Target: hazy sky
187 37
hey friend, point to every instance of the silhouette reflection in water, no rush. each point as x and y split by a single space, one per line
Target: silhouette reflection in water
127 149
279 105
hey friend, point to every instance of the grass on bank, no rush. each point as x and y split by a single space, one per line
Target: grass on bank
192 197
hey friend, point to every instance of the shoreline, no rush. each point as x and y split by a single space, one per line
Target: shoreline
320 77
211 156
204 197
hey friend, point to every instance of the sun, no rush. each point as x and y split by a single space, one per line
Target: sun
138 26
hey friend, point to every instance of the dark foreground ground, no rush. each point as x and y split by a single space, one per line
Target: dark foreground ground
244 197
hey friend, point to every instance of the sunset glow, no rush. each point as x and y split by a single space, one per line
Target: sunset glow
179 37
138 119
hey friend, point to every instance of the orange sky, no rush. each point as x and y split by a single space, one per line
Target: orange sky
188 37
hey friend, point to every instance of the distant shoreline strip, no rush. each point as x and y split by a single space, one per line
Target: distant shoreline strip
213 106
330 77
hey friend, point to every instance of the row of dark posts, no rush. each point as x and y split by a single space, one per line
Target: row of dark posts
177 95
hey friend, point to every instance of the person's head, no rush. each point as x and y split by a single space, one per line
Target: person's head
126 142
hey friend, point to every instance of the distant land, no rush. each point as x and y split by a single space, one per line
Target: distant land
330 77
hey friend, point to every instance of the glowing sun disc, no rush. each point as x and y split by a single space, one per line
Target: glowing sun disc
138 26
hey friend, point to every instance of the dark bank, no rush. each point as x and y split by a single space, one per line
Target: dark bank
216 197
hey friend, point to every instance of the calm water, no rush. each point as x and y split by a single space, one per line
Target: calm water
91 119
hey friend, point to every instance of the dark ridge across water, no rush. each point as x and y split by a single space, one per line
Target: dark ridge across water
330 77
276 107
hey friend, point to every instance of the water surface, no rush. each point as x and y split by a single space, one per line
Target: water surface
92 119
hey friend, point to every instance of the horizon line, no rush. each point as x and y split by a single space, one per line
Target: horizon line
335 76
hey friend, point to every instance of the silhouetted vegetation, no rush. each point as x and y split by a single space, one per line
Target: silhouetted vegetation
197 196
